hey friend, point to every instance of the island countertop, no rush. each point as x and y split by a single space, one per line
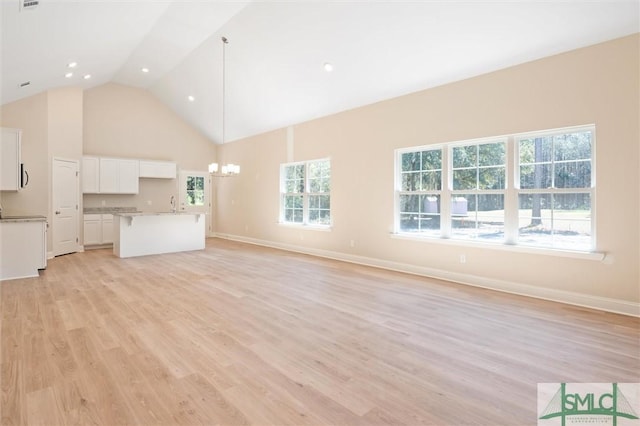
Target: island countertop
134 214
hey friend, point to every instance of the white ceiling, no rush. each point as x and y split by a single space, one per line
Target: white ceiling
276 51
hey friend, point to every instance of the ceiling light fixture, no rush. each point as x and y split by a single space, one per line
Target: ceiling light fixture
145 70
72 64
191 98
69 75
230 169
328 67
87 76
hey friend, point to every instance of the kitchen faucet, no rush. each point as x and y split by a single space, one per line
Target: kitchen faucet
173 204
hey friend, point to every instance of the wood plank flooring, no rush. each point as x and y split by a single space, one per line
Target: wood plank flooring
239 334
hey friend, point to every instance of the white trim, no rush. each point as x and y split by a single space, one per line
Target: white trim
519 248
571 298
304 226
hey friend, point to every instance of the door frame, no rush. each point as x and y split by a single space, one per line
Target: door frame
53 207
207 194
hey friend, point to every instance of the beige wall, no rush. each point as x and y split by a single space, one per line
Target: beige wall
122 121
30 115
110 120
51 124
598 85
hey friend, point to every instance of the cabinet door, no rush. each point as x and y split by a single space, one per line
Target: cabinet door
157 169
107 228
109 175
92 229
10 160
128 176
90 175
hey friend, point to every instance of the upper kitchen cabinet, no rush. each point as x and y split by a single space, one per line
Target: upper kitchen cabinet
157 169
90 175
102 175
10 173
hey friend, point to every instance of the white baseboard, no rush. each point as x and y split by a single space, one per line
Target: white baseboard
578 299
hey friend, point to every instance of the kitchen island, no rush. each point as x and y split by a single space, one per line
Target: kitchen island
141 234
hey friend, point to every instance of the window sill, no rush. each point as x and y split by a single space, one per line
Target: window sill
325 228
599 256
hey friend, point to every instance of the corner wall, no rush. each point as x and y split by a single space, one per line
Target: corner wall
594 85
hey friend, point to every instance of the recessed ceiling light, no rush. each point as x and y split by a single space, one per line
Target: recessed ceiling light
145 70
72 64
328 67
69 75
87 76
191 98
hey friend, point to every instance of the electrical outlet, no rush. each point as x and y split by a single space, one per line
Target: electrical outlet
104 203
149 202
463 258
352 243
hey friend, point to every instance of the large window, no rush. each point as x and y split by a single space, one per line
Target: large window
478 187
533 189
555 189
305 193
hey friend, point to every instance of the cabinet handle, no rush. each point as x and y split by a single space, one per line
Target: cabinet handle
57 211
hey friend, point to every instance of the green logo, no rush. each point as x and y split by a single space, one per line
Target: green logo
586 403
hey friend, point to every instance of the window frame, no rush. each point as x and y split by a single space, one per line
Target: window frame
306 195
511 191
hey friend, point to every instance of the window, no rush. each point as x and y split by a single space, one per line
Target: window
555 190
421 180
305 193
478 189
195 191
533 189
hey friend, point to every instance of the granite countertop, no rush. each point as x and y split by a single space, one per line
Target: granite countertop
6 219
109 210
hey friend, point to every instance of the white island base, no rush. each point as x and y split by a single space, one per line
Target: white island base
141 234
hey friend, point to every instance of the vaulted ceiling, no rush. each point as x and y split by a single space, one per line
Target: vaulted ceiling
274 61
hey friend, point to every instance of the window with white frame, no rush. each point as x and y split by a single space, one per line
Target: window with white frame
555 189
421 185
478 175
532 189
305 193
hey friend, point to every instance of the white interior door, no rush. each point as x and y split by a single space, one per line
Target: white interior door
65 206
195 194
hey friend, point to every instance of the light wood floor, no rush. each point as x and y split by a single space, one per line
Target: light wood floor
239 334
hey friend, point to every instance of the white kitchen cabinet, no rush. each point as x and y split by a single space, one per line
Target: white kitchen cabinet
102 175
10 159
22 247
128 175
107 229
109 179
98 229
158 169
92 229
90 175
118 176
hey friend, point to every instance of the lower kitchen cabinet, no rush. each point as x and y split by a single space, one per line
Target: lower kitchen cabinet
23 247
98 229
